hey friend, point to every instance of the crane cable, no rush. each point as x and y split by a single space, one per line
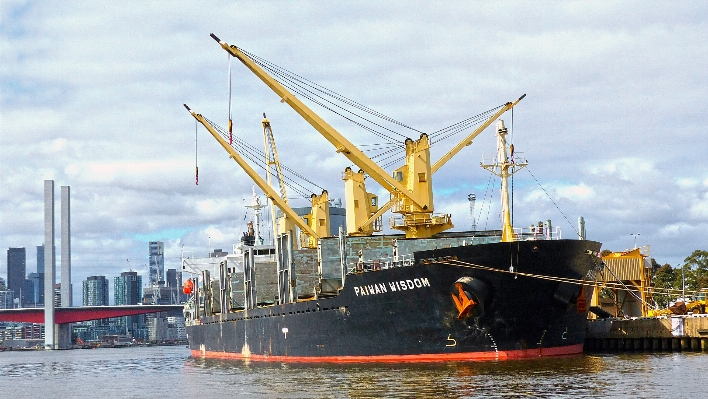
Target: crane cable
627 288
311 90
196 159
230 125
453 261
554 202
253 154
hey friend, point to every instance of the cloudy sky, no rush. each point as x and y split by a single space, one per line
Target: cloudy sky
613 125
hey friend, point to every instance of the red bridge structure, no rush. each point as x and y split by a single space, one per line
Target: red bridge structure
82 313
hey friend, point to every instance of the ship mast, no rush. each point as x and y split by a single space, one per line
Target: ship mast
256 206
504 167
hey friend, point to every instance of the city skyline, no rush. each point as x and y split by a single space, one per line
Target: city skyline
173 278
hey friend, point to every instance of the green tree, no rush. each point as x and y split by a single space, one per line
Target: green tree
654 265
696 270
664 278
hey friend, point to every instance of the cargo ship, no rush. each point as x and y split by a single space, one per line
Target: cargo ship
425 295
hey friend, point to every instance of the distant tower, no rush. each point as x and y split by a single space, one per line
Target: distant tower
5 296
126 288
16 271
174 283
174 278
40 275
127 291
157 262
40 259
472 198
95 291
37 286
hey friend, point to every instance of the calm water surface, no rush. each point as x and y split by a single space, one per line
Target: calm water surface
163 372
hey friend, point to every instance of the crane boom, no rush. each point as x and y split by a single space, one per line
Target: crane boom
468 140
271 157
342 145
444 159
262 184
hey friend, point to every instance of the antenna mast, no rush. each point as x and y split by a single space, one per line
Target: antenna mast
504 167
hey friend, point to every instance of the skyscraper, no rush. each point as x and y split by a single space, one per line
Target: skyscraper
5 296
174 281
95 291
127 291
16 271
174 278
37 294
40 259
28 294
39 278
157 262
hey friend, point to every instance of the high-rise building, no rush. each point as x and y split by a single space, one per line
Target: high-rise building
5 296
127 291
95 291
57 295
127 288
39 284
157 262
28 294
40 259
174 278
174 281
16 271
36 296
39 278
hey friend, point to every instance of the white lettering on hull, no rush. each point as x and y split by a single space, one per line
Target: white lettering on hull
393 286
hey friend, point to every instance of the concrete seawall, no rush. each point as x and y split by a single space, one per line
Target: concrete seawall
651 334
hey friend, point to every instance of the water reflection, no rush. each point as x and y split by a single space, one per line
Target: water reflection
144 372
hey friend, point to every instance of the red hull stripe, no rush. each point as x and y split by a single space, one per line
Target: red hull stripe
439 357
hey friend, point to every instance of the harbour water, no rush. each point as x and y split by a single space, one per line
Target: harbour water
150 372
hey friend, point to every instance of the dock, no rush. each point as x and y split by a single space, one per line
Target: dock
687 333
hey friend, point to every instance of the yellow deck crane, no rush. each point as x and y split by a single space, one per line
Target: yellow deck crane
410 186
411 159
262 184
341 144
317 219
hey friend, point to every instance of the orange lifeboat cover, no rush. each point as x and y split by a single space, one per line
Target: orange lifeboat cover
188 287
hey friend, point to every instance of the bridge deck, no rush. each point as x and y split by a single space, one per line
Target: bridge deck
82 313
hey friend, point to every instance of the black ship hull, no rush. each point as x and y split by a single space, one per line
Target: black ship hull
418 313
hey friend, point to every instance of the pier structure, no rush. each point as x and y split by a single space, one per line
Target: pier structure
632 270
648 334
